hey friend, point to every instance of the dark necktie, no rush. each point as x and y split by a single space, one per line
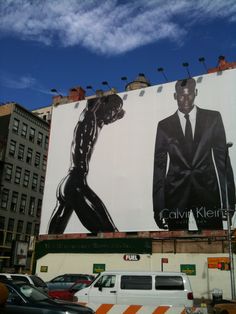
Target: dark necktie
188 138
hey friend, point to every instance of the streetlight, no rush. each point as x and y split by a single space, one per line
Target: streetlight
91 87
106 83
163 73
202 61
55 91
186 65
124 79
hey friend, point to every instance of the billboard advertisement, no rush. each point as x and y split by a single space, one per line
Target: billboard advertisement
159 158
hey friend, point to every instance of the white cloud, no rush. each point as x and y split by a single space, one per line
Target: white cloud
19 83
23 82
108 26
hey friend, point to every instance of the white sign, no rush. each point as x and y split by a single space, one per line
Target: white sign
108 160
131 257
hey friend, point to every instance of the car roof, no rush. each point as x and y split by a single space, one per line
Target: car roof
129 272
13 282
74 274
9 275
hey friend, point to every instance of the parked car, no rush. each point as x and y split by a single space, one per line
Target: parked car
66 280
32 279
67 294
24 298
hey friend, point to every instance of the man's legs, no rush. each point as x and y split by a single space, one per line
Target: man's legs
59 218
92 212
64 207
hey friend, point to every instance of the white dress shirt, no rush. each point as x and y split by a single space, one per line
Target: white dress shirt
192 119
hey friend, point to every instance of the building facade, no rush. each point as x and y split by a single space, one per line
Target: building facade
24 141
198 254
44 113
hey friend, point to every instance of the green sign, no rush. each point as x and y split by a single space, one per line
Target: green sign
96 245
189 269
98 268
44 269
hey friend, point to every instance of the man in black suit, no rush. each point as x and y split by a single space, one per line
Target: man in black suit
191 166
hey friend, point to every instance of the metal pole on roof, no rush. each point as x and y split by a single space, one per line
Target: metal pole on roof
186 66
229 238
163 73
202 61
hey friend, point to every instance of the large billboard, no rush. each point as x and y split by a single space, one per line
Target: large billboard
159 158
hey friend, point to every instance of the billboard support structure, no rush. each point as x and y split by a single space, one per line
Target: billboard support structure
231 258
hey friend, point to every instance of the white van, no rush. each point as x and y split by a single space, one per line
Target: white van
138 288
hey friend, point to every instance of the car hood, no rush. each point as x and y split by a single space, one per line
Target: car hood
64 305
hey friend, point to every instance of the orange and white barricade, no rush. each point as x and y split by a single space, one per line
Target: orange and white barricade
143 309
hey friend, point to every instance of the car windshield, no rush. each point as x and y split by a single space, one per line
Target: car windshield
32 293
71 278
58 279
80 285
38 282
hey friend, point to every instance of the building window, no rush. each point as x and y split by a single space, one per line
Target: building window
34 182
4 198
37 159
28 231
23 203
19 229
8 172
29 155
21 152
10 229
32 135
31 206
28 228
39 208
20 225
24 130
41 185
12 148
2 222
2 227
36 229
26 178
14 200
15 127
40 139
46 142
18 175
44 165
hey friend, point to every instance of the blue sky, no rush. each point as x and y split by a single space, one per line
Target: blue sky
61 44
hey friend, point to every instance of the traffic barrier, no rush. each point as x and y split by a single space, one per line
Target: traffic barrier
142 309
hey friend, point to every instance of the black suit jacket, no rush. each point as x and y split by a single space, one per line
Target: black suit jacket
190 185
